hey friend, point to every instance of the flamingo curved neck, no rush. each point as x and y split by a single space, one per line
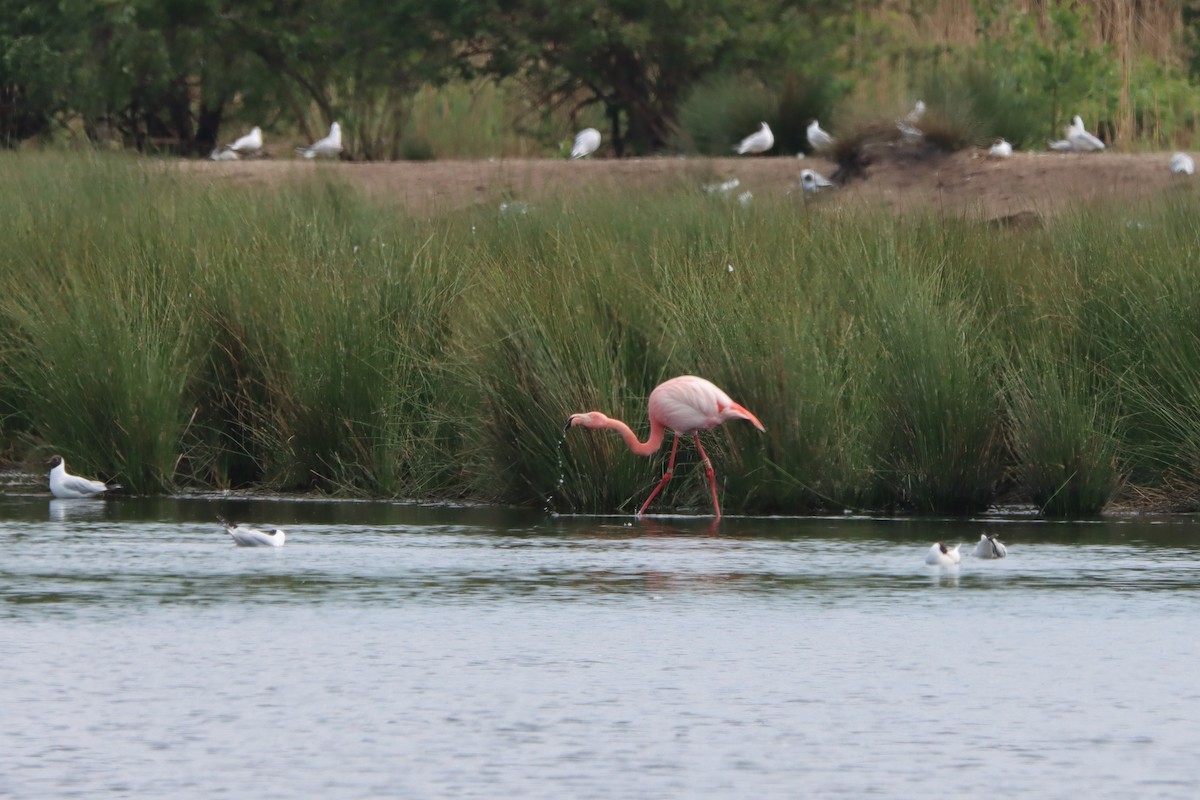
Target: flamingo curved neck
651 445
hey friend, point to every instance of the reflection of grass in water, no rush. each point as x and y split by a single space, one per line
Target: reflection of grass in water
212 335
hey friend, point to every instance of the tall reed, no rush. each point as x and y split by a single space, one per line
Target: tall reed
170 332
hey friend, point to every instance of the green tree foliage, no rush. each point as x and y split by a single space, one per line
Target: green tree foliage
638 58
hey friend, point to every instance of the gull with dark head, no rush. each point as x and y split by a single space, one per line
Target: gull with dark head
989 547
245 536
66 486
941 556
813 182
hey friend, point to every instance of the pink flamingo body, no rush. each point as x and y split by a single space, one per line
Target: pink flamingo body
685 405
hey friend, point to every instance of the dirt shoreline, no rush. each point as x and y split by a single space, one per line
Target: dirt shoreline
967 183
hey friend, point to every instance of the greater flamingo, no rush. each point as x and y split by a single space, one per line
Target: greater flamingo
686 404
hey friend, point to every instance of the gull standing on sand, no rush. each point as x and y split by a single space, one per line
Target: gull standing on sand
586 142
1000 149
760 141
66 486
941 556
329 147
1080 139
245 536
249 144
1182 164
990 547
812 181
818 138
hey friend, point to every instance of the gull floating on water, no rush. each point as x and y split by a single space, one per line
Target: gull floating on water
941 556
329 147
1080 139
586 143
245 536
990 547
812 181
252 142
818 138
760 141
1000 149
1182 164
66 486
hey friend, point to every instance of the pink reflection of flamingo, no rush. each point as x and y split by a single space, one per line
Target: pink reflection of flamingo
686 404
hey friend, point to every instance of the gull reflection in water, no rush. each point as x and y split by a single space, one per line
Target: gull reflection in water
87 508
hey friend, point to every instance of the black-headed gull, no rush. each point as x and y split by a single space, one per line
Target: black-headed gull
818 138
586 143
329 147
1182 164
760 141
941 556
245 536
1000 149
249 144
812 181
989 547
66 486
1080 139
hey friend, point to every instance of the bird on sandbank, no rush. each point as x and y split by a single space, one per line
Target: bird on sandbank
1082 141
760 141
329 147
250 144
1000 149
587 141
66 486
685 405
818 138
1182 164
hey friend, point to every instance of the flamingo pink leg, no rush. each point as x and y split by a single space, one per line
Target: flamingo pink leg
666 477
712 477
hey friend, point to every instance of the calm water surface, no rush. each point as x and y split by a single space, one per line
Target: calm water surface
401 651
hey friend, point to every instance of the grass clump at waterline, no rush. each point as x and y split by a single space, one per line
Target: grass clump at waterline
168 332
